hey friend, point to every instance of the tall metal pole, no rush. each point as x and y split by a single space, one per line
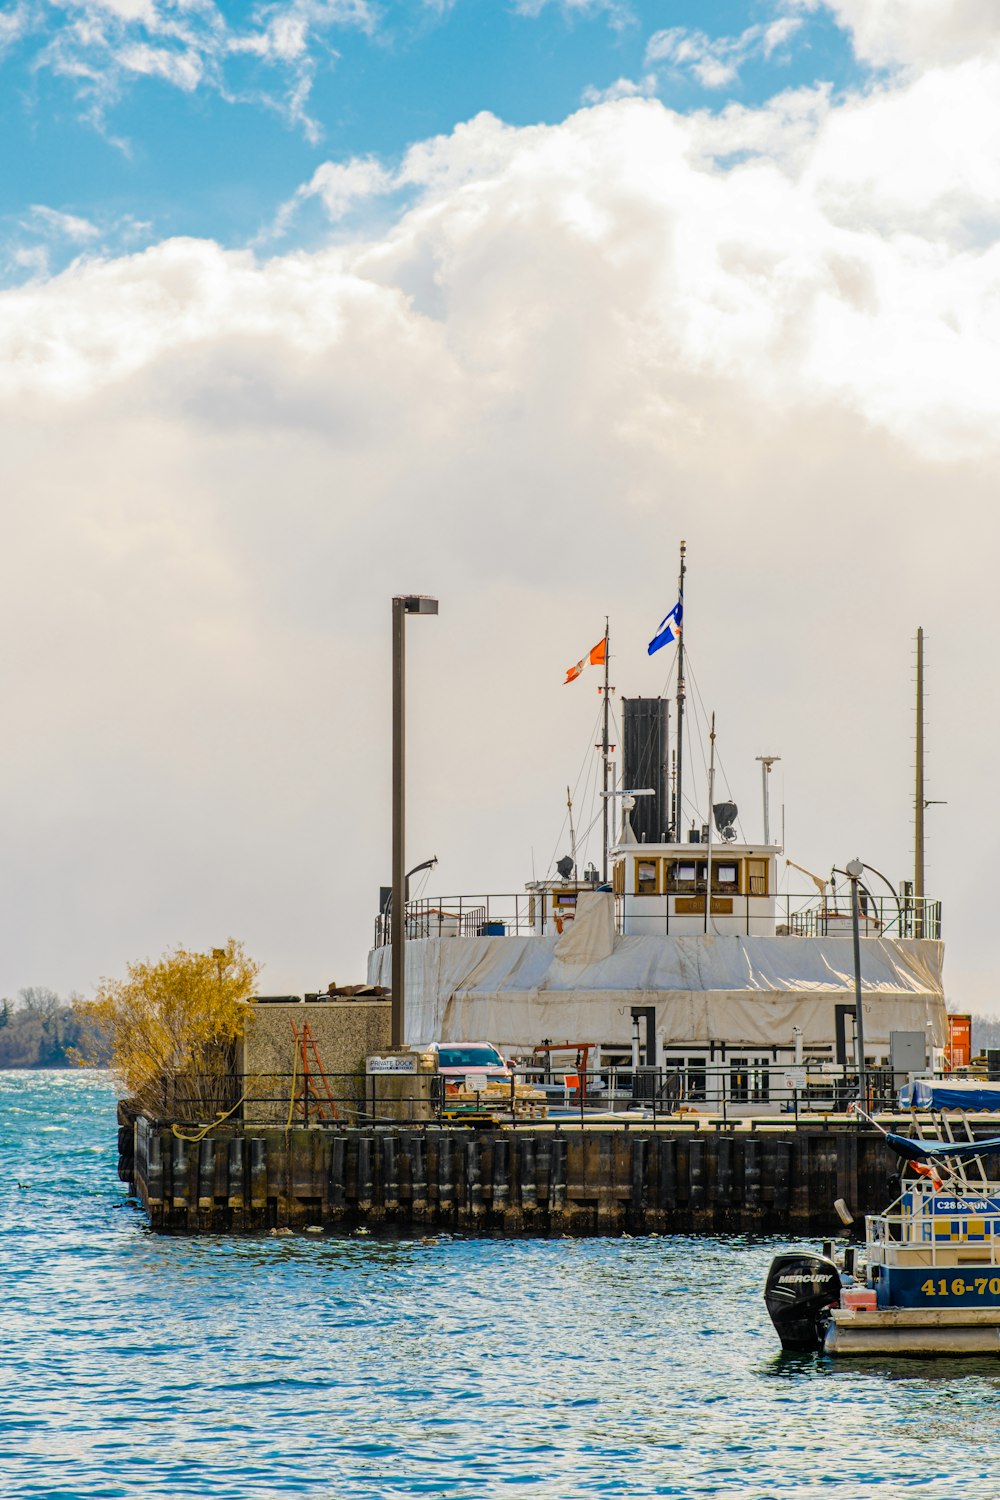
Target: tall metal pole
854 871
402 605
711 796
766 762
605 750
918 797
398 820
679 831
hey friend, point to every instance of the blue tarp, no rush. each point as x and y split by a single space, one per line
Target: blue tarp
934 1150
925 1093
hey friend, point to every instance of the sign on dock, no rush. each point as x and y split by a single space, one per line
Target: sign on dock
401 1064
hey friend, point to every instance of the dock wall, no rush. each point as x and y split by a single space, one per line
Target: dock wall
545 1180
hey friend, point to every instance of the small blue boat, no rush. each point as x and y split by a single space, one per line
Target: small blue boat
927 1280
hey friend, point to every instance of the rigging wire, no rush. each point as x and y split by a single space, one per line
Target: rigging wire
702 721
564 825
718 755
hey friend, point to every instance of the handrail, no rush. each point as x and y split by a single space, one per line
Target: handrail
546 912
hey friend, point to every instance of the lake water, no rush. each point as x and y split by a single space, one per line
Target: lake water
237 1368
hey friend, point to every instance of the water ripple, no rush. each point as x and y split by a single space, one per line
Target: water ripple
255 1369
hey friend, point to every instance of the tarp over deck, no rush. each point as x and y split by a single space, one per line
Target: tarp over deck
582 985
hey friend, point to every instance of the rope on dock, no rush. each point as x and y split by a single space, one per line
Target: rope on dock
220 1118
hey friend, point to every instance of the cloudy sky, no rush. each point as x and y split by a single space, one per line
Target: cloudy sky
312 302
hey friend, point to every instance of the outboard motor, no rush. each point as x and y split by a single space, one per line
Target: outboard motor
800 1290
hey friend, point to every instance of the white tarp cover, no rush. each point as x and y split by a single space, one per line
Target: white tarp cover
580 987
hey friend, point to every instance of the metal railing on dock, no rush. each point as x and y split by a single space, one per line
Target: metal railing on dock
691 1094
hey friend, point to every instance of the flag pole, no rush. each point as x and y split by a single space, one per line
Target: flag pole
679 827
605 749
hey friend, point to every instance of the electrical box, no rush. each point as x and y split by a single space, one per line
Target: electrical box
907 1054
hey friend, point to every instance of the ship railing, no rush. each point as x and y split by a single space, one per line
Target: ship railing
931 1237
504 914
684 1092
785 914
879 916
549 913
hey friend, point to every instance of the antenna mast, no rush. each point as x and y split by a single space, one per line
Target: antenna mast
678 785
605 748
918 798
766 762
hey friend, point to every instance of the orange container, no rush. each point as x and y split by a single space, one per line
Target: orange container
860 1298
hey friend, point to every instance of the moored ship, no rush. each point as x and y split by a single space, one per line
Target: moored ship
687 954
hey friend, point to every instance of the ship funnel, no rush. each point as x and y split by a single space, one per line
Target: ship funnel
645 755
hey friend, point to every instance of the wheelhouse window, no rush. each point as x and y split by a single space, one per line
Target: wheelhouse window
757 877
647 877
685 877
726 877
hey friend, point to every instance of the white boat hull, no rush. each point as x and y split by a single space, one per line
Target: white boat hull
915 1330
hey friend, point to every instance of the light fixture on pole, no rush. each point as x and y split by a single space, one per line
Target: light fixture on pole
402 605
854 872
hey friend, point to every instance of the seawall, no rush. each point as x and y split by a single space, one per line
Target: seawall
594 1180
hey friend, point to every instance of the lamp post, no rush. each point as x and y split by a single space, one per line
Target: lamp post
854 872
402 605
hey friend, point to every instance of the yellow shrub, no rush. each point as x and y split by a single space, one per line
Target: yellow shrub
173 1025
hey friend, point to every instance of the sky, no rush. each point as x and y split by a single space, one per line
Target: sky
310 303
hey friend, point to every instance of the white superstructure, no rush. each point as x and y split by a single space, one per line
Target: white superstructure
765 981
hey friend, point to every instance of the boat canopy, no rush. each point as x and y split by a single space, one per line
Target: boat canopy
936 1150
924 1093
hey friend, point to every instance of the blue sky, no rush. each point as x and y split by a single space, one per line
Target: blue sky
150 120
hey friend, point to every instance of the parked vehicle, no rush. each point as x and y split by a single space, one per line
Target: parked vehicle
459 1059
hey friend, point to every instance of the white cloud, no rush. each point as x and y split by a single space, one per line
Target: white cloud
183 69
716 61
103 46
920 33
340 186
618 12
622 88
13 24
35 243
575 345
65 226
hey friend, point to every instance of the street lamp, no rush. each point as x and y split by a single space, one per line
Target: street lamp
402 605
854 872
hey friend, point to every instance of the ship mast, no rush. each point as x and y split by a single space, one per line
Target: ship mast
679 779
572 830
605 750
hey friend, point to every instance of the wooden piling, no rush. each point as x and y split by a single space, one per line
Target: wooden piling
679 1180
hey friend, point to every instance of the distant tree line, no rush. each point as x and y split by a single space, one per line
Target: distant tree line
38 1029
985 1033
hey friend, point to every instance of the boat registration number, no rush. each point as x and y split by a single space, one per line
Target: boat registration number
961 1286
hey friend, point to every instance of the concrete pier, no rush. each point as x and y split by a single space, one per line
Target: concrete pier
755 1178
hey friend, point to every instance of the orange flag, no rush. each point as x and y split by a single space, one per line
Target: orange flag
595 659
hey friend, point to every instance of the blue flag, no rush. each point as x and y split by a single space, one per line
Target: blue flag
668 628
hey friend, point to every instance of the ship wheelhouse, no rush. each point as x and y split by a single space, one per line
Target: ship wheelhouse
663 889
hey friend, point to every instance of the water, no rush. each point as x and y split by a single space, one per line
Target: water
234 1368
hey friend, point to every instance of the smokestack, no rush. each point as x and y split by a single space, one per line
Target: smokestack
645 753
